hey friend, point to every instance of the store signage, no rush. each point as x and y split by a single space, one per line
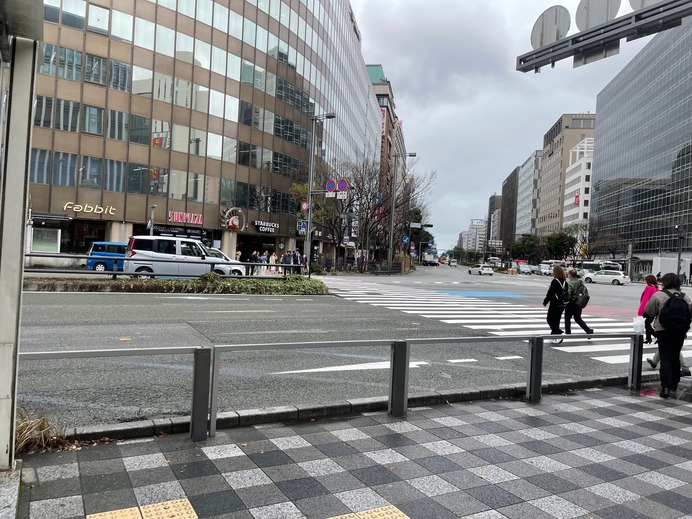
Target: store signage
88 208
266 226
180 217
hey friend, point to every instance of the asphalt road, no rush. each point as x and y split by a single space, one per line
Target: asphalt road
78 392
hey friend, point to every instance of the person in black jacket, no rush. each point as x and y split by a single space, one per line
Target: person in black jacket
557 285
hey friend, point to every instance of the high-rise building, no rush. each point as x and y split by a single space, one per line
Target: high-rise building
527 189
509 208
190 111
567 132
642 178
578 184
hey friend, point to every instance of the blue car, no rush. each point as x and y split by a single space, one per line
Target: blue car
104 254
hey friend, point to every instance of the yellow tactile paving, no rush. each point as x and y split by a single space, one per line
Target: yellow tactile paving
177 509
383 512
125 513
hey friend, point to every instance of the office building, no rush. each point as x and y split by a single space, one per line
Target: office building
642 177
567 132
189 112
527 189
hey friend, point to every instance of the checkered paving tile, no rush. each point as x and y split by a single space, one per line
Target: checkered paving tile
597 453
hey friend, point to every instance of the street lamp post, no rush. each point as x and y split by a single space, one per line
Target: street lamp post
151 219
679 234
307 245
390 253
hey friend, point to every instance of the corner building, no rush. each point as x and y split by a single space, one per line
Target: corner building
190 111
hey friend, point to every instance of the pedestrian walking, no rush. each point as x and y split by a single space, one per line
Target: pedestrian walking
672 311
650 289
273 260
573 310
556 297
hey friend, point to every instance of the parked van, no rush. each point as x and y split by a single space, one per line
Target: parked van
453 262
104 254
186 257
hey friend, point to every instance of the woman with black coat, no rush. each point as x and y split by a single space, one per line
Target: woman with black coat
557 285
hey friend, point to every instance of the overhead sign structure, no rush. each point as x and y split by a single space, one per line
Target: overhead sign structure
601 31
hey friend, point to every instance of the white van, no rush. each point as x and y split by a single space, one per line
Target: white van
453 262
186 257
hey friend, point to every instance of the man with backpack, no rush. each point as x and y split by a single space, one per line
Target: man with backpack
672 312
579 298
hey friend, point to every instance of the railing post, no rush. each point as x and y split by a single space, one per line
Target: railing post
115 269
213 405
634 379
398 379
535 376
200 394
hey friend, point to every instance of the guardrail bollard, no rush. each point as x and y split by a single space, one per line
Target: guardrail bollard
115 270
398 379
535 377
634 379
200 394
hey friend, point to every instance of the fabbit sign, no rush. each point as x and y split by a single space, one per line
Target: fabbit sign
88 208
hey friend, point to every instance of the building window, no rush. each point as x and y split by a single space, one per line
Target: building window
73 13
141 81
177 184
586 190
64 169
137 179
90 173
585 216
118 124
120 76
586 203
121 28
158 181
93 120
95 71
51 10
49 64
39 166
160 134
140 131
70 64
163 87
43 114
230 150
98 19
165 41
144 33
115 176
67 115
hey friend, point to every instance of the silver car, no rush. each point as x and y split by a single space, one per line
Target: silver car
611 277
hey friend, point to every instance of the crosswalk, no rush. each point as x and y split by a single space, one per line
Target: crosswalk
499 318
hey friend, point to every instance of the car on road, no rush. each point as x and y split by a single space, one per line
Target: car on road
182 257
481 270
453 263
582 273
103 254
611 277
523 268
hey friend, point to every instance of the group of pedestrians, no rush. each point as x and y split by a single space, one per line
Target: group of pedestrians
667 314
561 297
290 262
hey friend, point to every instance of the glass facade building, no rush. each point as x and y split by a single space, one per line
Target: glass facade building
642 176
195 107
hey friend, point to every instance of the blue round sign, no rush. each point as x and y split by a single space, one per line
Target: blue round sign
342 185
331 185
405 239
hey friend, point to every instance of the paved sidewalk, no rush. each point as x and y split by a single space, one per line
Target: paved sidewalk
598 453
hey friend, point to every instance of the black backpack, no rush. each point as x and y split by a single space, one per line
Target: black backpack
675 314
563 296
581 295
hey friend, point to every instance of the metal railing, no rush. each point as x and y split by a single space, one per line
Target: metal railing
206 367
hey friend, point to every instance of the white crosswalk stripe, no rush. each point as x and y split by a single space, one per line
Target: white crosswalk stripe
504 319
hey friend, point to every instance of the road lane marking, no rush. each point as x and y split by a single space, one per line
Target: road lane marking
352 367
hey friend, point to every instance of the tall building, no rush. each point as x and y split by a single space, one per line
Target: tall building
190 111
578 184
527 189
642 178
509 208
567 132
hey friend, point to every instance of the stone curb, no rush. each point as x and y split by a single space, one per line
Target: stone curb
308 412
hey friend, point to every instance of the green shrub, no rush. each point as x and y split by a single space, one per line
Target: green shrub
316 268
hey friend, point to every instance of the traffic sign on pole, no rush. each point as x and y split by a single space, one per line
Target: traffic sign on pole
405 239
330 185
342 185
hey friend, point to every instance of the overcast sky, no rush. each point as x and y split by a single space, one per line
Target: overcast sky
467 113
